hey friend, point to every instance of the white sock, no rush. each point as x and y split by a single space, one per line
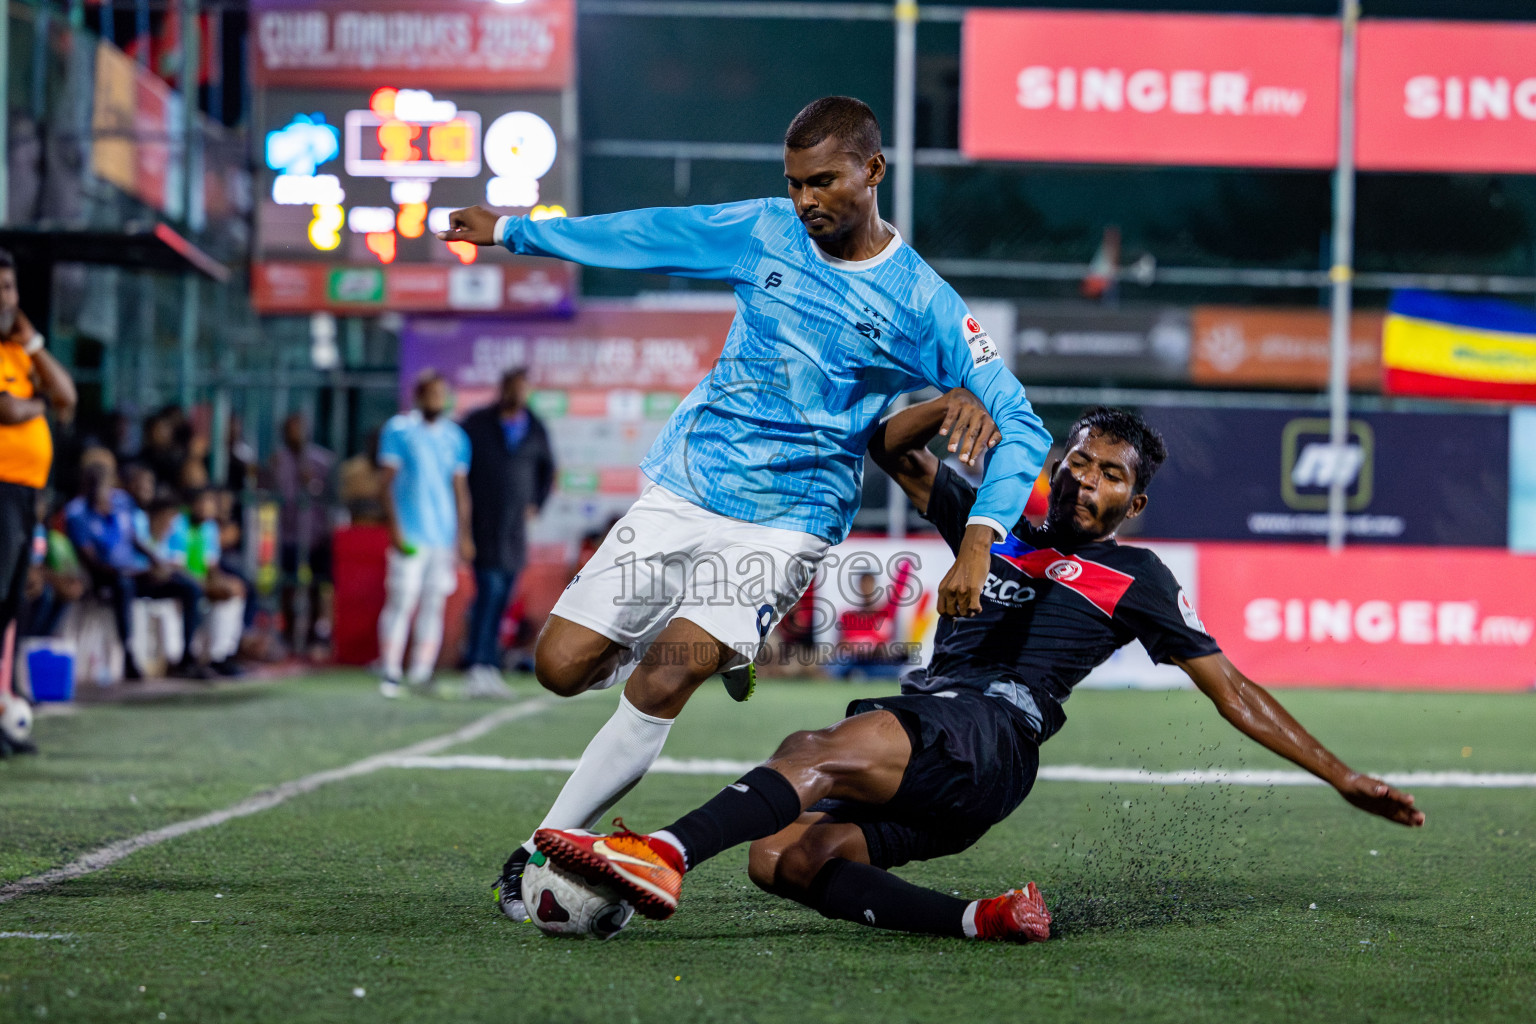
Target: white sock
618 757
968 919
674 842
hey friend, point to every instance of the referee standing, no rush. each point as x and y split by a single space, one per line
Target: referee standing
31 380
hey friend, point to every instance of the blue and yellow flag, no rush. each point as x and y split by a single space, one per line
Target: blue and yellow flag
1446 347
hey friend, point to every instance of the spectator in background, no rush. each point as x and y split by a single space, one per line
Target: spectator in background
55 582
301 475
192 478
242 459
100 525
226 592
511 471
165 444
139 483
31 381
360 485
425 457
231 555
866 631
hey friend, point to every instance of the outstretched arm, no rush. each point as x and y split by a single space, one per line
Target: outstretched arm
900 444
1257 715
688 241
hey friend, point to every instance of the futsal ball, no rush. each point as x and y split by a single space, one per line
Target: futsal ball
560 903
16 717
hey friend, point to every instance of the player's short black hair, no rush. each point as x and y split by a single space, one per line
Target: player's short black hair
839 117
1123 425
7 261
424 378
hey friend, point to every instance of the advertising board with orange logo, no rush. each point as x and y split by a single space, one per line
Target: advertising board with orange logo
1243 346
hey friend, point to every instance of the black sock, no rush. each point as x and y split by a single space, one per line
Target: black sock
848 891
759 804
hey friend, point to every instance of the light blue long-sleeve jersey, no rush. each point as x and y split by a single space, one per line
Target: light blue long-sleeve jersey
819 349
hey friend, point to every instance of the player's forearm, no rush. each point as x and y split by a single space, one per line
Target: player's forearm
387 503
907 432
698 241
54 381
15 410
461 499
1018 458
1261 718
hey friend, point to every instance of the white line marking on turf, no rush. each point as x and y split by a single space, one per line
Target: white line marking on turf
37 935
1054 773
110 854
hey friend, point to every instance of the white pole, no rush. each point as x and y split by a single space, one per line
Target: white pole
905 166
1341 274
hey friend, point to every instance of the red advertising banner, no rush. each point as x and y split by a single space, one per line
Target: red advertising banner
1457 619
1149 88
1447 96
436 44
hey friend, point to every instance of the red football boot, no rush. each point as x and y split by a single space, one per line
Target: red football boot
648 871
1017 916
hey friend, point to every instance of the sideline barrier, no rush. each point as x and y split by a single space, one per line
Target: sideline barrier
1422 618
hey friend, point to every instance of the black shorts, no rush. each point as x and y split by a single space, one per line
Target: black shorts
18 519
974 760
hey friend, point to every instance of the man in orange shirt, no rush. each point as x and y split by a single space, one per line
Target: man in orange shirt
31 380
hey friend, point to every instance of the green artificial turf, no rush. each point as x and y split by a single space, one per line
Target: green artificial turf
1187 903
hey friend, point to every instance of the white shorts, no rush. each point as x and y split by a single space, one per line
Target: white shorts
433 571
668 558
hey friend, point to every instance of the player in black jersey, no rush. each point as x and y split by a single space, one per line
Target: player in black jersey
927 773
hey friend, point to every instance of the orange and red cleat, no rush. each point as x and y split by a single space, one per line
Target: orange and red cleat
648 871
1017 916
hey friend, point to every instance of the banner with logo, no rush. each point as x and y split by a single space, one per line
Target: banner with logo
1080 343
1447 96
1413 617
1264 474
1448 347
441 44
1217 90
604 381
1245 346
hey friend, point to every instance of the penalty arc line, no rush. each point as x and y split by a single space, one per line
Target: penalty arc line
1053 773
110 854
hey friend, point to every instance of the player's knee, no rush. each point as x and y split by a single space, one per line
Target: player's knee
557 676
763 862
799 746
799 864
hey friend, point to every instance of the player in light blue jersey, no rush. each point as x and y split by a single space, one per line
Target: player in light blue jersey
425 458
759 469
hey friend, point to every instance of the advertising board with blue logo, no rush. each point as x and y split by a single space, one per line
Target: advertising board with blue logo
1264 474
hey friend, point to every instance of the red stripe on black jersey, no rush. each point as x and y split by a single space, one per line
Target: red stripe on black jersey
1102 586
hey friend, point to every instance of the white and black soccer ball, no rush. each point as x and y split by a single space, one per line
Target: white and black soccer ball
15 717
560 903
